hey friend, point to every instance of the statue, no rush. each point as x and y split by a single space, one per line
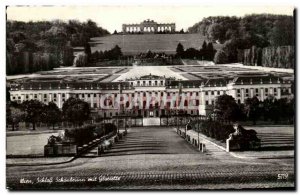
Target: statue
242 139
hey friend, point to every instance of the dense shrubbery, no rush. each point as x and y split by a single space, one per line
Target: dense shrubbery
214 129
85 134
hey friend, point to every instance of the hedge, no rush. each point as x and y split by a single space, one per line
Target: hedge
215 129
85 134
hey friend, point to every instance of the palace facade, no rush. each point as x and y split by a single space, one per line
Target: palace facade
150 95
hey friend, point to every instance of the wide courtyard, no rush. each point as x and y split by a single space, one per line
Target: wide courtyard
156 157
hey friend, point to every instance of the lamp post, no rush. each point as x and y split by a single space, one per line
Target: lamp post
179 94
120 92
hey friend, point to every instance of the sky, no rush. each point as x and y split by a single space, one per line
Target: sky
112 17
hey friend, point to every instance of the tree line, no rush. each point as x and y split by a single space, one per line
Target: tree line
268 33
44 45
87 57
74 110
277 57
261 30
227 110
207 52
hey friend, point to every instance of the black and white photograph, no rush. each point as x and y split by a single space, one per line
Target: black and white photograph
144 97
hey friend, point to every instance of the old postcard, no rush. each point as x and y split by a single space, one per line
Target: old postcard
150 98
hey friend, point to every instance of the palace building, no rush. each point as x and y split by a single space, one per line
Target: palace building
151 95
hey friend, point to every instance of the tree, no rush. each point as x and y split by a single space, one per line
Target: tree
282 33
87 51
34 111
81 60
14 115
115 32
203 50
215 32
252 109
116 52
52 114
210 52
179 50
76 111
191 53
220 57
227 109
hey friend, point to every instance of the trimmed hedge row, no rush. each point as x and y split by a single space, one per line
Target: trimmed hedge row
215 129
85 134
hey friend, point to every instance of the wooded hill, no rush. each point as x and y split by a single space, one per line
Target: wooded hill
43 45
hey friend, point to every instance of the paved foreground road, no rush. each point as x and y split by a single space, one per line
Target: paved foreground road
155 158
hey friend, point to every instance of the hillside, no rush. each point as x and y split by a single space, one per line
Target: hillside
135 44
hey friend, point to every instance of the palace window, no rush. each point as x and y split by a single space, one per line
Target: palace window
155 83
27 96
89 95
191 93
212 102
206 102
138 83
161 82
45 95
150 83
161 93
77 95
19 97
247 91
82 95
94 95
266 90
212 93
197 93
238 92
218 92
206 93
144 83
95 105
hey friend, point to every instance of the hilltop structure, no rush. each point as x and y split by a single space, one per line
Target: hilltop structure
149 26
